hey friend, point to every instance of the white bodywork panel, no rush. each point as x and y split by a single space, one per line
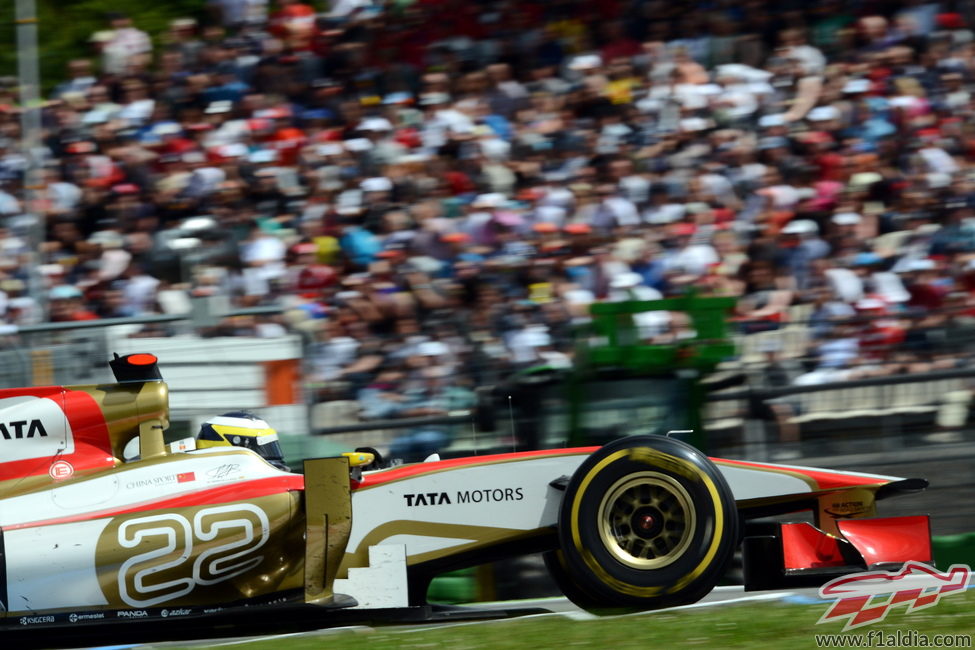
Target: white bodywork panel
382 583
53 566
513 495
33 427
747 483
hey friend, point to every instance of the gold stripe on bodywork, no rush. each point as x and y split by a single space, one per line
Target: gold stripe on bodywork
476 536
126 406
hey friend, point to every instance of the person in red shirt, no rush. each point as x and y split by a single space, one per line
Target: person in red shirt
288 141
284 138
618 44
926 294
294 23
879 336
307 276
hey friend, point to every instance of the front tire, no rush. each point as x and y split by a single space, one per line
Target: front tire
645 522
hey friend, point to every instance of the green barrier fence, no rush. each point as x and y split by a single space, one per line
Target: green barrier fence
953 549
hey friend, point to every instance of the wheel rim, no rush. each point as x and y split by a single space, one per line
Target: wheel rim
646 520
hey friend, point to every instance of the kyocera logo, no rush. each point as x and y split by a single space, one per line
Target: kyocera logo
22 429
30 620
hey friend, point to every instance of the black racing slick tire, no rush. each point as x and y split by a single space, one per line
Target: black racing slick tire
646 522
555 563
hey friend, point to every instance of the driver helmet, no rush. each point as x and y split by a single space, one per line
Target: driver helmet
242 429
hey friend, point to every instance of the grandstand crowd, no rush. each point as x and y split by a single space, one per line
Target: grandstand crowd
435 190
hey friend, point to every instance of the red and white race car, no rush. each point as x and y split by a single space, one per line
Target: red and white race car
643 522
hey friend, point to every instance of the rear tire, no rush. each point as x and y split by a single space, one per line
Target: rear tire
646 522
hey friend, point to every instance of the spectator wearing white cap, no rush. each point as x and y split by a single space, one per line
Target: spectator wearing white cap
377 202
921 280
844 229
385 149
802 245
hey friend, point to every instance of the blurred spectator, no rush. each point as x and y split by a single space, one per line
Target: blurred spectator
233 13
450 186
67 304
124 48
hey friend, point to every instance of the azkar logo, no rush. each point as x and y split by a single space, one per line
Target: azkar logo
166 556
175 612
865 598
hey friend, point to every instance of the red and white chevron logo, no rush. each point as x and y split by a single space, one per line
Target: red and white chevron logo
865 598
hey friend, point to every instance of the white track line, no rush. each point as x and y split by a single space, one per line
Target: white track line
581 615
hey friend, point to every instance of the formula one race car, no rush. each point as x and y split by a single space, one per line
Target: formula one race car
183 530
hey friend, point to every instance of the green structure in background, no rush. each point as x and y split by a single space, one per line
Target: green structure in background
618 346
708 347
622 384
953 549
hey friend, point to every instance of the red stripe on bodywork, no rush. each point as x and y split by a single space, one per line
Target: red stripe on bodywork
223 494
806 547
889 539
826 480
407 471
92 447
